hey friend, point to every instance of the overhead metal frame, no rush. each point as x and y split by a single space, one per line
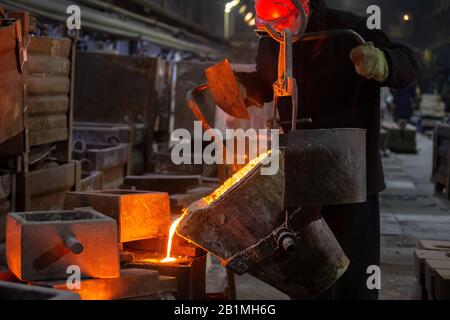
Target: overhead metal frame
100 21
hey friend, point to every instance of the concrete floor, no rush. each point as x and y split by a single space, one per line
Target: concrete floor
409 212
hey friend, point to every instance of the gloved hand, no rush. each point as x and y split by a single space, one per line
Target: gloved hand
370 62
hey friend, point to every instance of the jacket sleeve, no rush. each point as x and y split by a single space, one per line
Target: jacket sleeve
402 63
259 84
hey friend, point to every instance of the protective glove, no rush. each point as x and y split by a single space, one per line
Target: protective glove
370 62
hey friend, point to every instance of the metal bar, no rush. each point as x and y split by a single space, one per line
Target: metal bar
288 64
331 33
72 244
194 106
311 36
72 94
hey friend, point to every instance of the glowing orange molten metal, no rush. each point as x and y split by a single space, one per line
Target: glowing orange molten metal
172 230
227 185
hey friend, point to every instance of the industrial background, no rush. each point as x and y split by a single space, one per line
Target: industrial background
96 112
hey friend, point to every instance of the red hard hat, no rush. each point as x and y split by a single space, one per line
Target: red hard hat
270 10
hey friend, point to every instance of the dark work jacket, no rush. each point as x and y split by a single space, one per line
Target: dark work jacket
330 91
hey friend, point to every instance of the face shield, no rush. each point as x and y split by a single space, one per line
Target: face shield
281 14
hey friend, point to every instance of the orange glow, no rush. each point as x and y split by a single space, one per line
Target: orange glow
227 185
172 230
269 10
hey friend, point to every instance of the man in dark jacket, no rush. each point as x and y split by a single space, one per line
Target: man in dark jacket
403 103
339 87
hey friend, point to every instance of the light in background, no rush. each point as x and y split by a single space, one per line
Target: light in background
248 17
228 8
243 9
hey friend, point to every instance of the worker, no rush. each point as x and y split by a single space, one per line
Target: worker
339 85
403 103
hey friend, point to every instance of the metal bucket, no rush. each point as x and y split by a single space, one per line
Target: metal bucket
325 167
240 225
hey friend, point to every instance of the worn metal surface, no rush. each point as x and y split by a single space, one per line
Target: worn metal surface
325 167
33 257
92 180
18 291
45 188
162 182
41 105
103 156
11 80
139 215
103 133
5 202
190 274
224 89
111 159
132 283
48 90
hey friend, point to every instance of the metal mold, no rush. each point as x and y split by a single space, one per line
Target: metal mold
42 245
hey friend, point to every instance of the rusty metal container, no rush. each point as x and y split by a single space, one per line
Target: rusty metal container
110 133
83 238
45 188
96 132
243 221
139 214
11 79
110 159
49 87
92 180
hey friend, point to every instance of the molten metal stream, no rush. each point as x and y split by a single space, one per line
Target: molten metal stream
172 230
